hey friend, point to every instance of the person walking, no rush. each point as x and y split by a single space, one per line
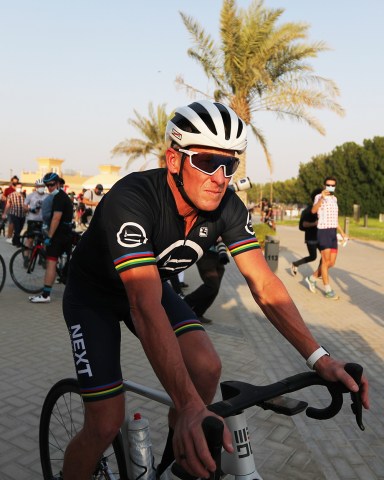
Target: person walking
308 224
59 234
16 211
327 210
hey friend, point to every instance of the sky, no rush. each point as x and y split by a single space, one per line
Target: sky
73 72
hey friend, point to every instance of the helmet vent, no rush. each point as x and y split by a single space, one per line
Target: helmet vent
204 115
226 119
239 129
184 124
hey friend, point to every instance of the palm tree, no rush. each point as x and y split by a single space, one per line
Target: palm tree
152 144
262 66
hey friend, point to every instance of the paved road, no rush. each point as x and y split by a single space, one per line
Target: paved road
35 352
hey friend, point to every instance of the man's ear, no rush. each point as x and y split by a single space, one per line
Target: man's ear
173 160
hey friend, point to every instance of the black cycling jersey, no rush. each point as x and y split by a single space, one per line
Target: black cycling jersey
62 203
137 224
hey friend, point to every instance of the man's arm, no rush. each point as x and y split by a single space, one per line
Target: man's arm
56 217
88 202
274 300
144 291
6 209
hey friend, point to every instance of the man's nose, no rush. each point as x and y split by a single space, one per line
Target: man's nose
219 175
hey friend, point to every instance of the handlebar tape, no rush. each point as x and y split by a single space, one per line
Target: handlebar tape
213 430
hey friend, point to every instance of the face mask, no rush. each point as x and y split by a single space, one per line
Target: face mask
40 190
330 188
19 190
55 192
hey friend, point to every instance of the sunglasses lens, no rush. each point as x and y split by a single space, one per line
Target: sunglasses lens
210 162
50 184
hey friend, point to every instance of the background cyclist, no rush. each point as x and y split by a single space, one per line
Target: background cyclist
149 226
59 235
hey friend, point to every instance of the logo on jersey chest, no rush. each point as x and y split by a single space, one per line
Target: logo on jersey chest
203 232
179 256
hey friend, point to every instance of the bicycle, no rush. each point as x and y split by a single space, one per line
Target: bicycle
27 265
3 272
62 416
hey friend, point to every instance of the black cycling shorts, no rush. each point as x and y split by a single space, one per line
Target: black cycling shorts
95 336
61 243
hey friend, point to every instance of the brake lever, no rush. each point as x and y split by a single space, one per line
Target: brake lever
356 370
336 391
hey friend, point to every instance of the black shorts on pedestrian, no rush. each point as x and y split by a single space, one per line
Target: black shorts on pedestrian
327 238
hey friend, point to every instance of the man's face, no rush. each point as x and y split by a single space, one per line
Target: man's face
330 186
52 186
205 191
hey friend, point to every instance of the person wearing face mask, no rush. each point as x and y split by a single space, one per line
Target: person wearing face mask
7 192
15 208
32 205
326 208
59 233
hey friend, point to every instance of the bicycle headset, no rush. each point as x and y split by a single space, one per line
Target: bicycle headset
205 124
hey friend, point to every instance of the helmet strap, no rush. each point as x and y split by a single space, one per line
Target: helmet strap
178 178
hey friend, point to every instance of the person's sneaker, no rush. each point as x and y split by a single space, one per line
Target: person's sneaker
39 299
311 284
205 319
332 295
293 270
9 240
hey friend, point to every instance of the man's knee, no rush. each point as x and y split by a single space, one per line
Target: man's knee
104 418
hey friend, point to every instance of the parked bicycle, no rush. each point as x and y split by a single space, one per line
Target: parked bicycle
27 265
62 417
3 272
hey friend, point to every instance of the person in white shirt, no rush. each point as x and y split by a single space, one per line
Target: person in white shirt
327 210
91 199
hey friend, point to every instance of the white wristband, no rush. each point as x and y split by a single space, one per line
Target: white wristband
312 359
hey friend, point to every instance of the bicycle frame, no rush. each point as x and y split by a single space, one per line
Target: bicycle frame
240 463
237 397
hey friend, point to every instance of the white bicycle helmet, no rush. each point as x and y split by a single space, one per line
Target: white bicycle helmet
39 182
209 124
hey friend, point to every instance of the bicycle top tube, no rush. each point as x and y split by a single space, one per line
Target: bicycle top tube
148 392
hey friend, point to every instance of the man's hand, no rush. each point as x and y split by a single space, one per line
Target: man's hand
333 370
189 444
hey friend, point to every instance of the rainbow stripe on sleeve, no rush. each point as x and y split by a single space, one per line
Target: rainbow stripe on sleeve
243 246
132 260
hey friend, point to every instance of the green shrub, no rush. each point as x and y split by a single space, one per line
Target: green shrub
261 231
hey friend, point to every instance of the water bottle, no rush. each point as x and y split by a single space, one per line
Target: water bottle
138 446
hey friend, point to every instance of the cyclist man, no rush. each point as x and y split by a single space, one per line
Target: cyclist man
59 236
149 226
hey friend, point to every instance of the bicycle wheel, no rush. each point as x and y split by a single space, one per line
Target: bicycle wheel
61 418
3 272
28 273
